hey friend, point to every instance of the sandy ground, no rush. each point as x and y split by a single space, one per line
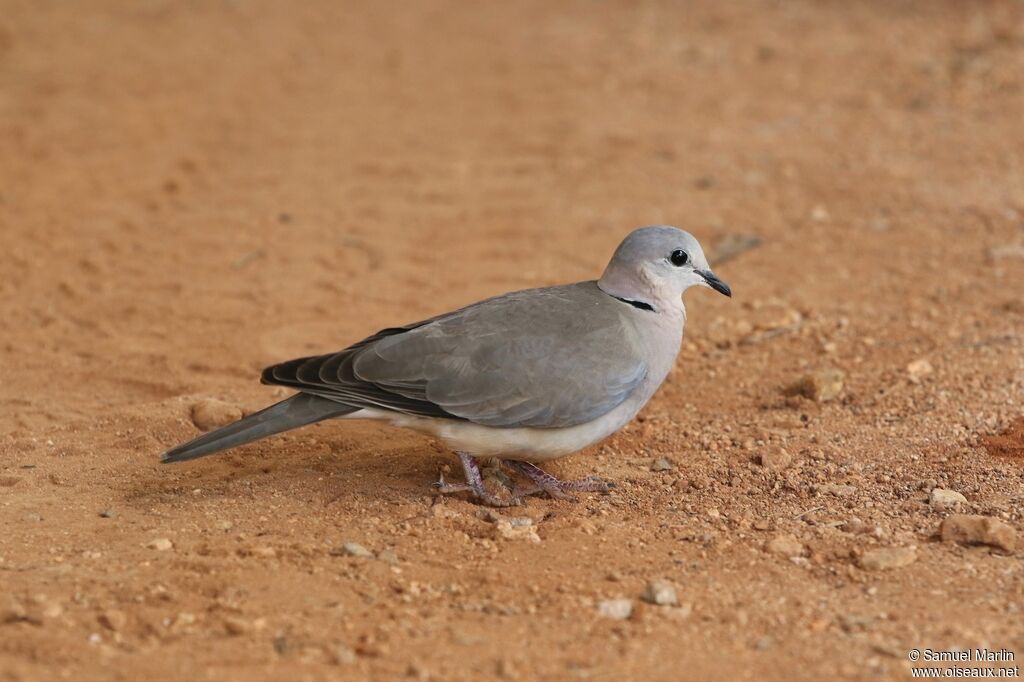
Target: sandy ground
190 191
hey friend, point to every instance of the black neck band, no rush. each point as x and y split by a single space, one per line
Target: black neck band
636 304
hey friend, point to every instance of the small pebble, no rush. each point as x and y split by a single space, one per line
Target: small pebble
821 386
343 655
889 649
919 369
13 612
35 610
775 457
160 544
49 609
837 489
505 530
785 545
940 498
280 644
491 515
355 549
440 511
662 464
263 551
661 593
498 476
113 619
978 530
210 413
235 625
887 558
619 609
182 621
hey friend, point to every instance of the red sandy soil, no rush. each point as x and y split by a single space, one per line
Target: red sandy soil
1010 443
190 191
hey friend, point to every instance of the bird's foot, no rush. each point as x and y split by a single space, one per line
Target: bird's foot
474 484
543 482
445 488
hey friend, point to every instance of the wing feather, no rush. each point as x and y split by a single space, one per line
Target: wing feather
545 358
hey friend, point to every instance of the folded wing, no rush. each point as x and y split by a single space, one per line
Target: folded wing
544 358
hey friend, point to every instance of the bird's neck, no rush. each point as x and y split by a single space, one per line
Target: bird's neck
639 292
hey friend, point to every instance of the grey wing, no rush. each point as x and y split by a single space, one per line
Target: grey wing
544 358
330 376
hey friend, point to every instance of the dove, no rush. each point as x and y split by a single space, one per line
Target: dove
523 378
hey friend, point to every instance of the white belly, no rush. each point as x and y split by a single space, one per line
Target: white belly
524 443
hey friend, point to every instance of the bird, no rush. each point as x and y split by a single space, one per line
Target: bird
523 378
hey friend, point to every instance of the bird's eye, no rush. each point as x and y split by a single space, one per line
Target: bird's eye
679 258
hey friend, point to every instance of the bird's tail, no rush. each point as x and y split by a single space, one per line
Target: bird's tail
299 410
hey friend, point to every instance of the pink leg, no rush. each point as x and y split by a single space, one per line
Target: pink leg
545 482
474 484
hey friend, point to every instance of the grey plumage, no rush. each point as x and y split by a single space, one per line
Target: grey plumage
528 376
457 366
298 410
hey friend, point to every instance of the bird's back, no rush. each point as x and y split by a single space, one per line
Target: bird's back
544 358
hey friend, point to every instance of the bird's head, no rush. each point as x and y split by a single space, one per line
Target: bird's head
656 264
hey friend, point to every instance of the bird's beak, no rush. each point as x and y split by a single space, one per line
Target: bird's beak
715 283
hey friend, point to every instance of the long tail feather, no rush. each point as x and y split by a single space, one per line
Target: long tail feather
296 411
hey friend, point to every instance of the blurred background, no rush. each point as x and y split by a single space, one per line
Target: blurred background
190 191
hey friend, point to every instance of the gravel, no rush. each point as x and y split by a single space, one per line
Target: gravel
619 609
113 619
978 530
662 464
785 545
236 625
941 499
514 529
919 369
887 558
209 414
822 385
342 654
660 593
775 457
355 549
